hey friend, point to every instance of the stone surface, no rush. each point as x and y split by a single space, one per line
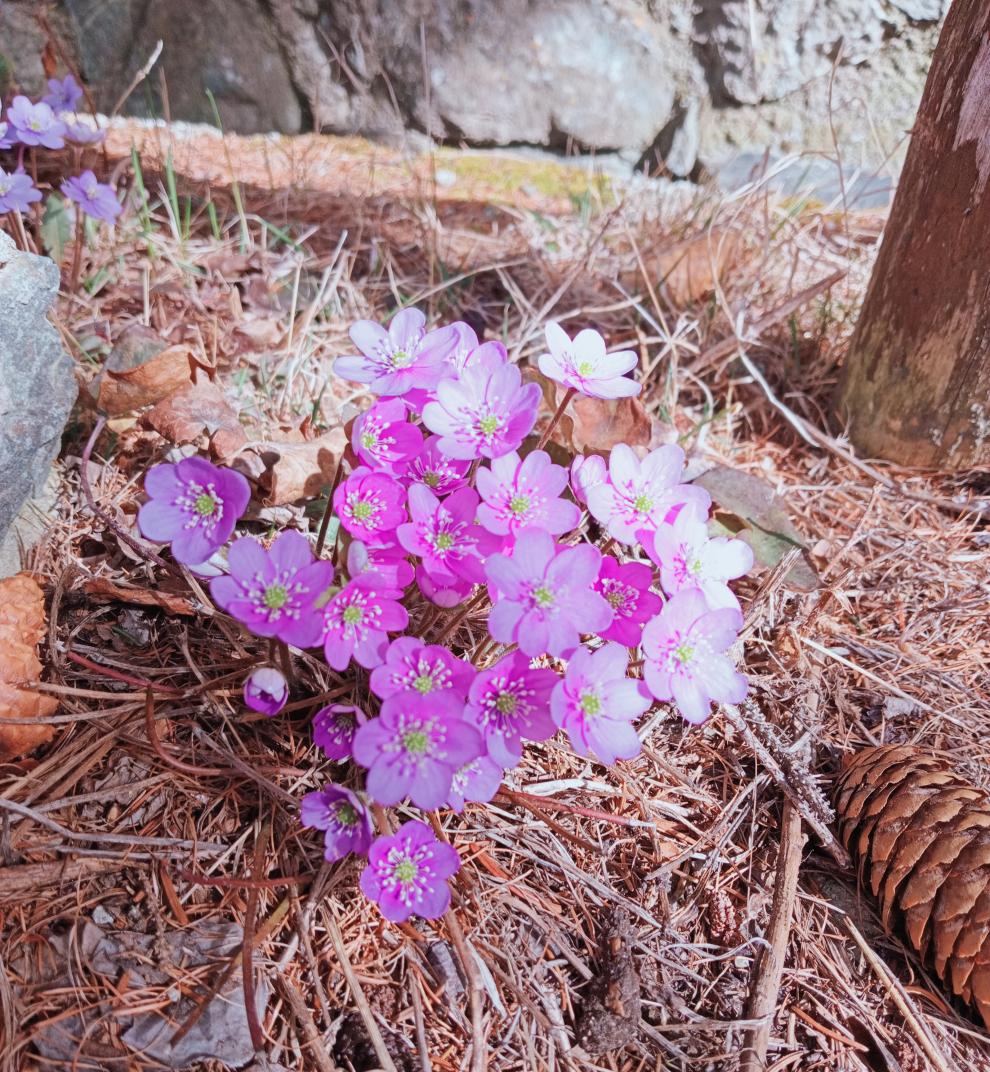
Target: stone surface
37 380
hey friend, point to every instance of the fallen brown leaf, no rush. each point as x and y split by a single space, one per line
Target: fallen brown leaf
101 588
598 424
199 409
295 471
141 371
22 625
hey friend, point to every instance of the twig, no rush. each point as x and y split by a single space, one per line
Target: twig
171 761
770 964
127 679
247 949
479 1050
555 419
141 75
311 1040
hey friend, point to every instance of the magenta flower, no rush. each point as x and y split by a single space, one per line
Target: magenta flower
684 649
509 702
96 199
587 470
415 746
370 505
396 361
477 781
543 597
344 820
334 728
357 621
36 124
266 690
689 559
63 94
274 592
426 668
524 494
444 593
639 494
388 565
193 504
443 534
596 704
440 474
407 873
16 192
583 364
626 588
485 413
383 438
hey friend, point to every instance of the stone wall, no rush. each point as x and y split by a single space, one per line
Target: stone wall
679 80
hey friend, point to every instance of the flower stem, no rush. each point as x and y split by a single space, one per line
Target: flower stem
325 522
555 419
76 253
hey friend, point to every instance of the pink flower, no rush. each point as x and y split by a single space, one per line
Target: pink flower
583 364
370 505
334 728
596 704
639 494
543 597
426 668
587 470
357 621
382 436
396 361
344 820
484 413
445 537
524 494
388 566
407 872
477 781
689 559
440 474
684 649
626 588
467 351
443 593
266 690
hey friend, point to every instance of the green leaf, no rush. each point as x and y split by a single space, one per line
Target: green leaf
56 227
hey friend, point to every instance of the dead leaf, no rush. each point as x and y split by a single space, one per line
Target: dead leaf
690 267
101 588
598 423
142 370
22 626
749 508
200 408
295 471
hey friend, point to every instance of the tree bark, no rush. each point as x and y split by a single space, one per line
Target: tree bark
916 384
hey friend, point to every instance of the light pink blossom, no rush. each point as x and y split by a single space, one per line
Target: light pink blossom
583 364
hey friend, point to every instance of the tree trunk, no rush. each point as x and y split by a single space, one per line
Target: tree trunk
916 384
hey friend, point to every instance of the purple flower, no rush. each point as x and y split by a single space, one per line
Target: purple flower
639 494
414 747
83 134
36 124
689 559
587 470
684 649
357 621
524 494
344 820
370 505
63 94
443 534
396 361
382 436
8 136
16 192
543 597
477 781
508 702
391 569
440 474
334 728
596 704
96 199
426 668
583 364
486 412
626 588
193 504
266 690
407 872
444 593
274 592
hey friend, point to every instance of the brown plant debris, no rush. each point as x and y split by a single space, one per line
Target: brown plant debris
610 1014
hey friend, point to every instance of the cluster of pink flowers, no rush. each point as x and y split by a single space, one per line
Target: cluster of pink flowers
591 573
51 123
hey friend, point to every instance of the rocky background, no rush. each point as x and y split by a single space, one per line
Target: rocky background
682 82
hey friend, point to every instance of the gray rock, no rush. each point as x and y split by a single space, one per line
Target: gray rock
37 380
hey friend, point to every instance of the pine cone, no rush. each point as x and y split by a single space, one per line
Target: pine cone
921 835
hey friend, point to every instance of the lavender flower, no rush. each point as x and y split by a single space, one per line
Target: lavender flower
344 820
444 593
16 192
370 505
639 494
357 621
689 559
8 136
383 438
485 413
440 474
193 504
274 592
266 690
626 588
583 364
445 537
334 727
391 570
587 470
415 746
36 124
426 668
96 199
508 702
684 649
543 597
595 704
523 494
407 872
83 134
63 94
477 781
